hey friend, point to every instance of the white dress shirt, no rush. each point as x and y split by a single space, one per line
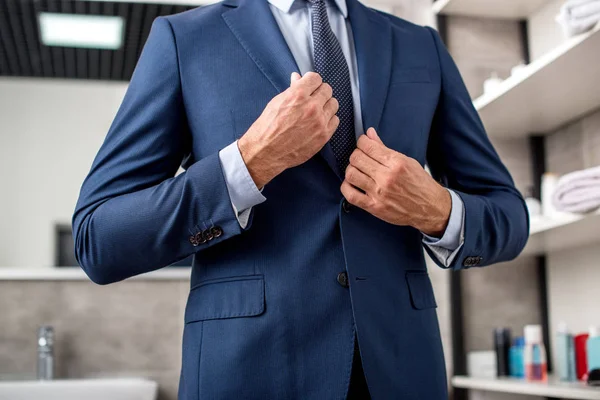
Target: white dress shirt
294 20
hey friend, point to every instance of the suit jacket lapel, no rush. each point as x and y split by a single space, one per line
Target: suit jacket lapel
254 26
373 44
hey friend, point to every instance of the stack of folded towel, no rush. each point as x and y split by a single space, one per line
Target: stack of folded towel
578 192
579 16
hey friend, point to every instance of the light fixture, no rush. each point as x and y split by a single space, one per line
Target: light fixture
76 30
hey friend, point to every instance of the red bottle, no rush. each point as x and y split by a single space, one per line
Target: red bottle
581 366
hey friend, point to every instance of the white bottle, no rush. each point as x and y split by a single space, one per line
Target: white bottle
534 356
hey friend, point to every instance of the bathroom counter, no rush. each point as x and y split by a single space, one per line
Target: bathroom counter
77 274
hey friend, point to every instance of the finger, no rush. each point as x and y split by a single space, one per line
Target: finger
374 149
372 134
354 196
309 82
323 93
365 163
358 179
333 124
331 107
295 77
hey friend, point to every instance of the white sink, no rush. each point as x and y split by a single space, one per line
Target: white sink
88 389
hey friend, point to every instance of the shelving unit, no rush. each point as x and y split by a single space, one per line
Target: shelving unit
553 388
551 91
512 9
555 234
527 103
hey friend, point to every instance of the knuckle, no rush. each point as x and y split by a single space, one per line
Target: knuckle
314 76
311 109
399 166
355 157
369 148
388 181
352 198
350 173
336 104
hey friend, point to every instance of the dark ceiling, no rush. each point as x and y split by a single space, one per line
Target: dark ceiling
22 53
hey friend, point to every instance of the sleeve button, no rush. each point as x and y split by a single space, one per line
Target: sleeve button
216 231
200 238
208 235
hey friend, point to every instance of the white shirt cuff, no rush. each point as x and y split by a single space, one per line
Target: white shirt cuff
243 192
446 248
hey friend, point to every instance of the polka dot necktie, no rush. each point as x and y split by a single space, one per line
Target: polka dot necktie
330 63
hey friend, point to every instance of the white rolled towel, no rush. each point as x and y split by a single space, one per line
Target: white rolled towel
578 16
578 192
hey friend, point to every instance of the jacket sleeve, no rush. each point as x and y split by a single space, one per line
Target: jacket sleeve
133 215
461 156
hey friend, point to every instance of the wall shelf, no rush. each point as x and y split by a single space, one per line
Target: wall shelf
507 9
551 91
552 388
554 234
77 274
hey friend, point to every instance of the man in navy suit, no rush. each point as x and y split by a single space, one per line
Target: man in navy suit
303 127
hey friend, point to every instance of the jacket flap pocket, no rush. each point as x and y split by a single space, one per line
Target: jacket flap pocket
241 296
421 290
415 75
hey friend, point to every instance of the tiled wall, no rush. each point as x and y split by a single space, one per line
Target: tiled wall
129 329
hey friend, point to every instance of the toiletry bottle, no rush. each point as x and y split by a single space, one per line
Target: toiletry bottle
45 353
535 354
593 349
565 354
502 345
515 358
581 367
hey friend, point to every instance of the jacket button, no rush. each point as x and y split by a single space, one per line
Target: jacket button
342 279
346 206
217 231
200 238
208 235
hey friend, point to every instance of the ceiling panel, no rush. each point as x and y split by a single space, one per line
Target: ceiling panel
22 54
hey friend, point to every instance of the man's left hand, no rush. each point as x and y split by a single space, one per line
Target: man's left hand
396 188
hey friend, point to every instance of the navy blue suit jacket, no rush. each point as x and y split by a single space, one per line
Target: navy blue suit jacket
266 317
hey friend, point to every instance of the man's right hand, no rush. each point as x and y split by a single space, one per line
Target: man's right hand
293 127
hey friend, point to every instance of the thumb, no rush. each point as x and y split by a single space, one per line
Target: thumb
372 134
295 77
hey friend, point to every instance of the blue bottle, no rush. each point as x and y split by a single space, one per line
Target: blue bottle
565 354
516 363
593 349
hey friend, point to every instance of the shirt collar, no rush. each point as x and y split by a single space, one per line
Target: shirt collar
286 5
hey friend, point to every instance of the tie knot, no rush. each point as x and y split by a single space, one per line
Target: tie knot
315 2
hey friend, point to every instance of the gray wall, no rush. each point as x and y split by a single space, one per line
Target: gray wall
128 329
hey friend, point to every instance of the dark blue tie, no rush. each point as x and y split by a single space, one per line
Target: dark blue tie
331 64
